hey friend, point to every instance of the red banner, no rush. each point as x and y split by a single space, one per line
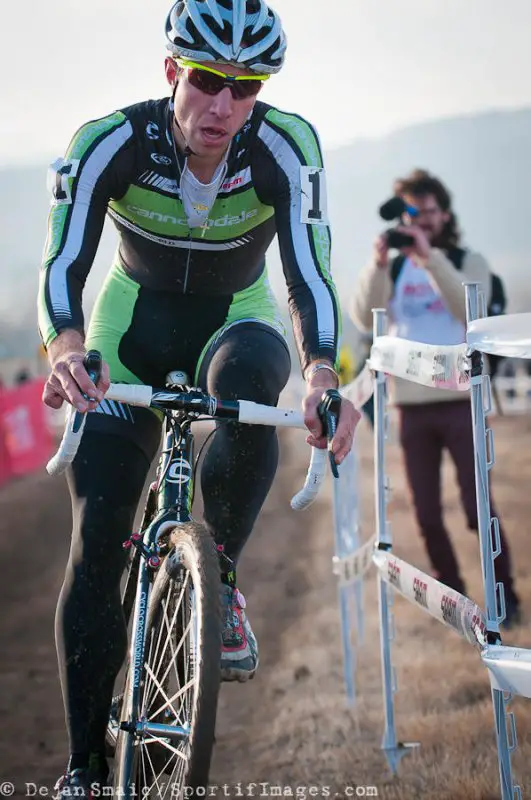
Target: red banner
5 464
25 437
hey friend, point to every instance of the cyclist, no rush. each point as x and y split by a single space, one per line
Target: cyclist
197 184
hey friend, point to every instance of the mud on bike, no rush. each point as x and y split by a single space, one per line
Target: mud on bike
162 724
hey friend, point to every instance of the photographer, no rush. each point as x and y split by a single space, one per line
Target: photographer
423 293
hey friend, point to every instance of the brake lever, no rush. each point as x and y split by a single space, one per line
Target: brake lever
93 364
328 411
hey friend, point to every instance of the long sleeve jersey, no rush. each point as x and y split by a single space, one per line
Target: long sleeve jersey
126 165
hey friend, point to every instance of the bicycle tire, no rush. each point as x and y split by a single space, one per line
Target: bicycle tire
192 550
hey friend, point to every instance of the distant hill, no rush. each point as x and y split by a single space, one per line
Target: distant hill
483 158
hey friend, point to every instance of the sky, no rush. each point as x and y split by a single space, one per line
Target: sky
355 68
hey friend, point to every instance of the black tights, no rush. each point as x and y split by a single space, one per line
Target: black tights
106 482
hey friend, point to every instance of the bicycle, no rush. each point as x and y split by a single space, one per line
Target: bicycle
162 725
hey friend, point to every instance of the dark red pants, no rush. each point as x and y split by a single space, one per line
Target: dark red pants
425 430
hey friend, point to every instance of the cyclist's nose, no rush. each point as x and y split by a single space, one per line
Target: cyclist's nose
221 104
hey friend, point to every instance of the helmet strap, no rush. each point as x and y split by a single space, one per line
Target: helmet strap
187 149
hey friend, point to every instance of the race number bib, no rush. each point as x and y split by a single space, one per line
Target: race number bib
60 177
313 196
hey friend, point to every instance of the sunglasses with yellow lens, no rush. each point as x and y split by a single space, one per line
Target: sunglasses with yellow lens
212 81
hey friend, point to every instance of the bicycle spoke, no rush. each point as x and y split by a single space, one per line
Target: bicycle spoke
187 649
177 756
178 605
145 750
176 779
170 747
180 760
159 682
162 693
191 665
142 759
150 658
148 681
175 653
169 626
174 697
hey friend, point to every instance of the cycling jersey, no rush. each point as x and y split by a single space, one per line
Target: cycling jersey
126 165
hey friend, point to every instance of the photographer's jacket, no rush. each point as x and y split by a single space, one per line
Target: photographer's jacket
427 304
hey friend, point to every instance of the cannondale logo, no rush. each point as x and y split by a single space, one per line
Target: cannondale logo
180 471
152 130
160 159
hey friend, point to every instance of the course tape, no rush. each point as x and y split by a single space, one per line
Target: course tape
352 567
430 365
445 604
360 389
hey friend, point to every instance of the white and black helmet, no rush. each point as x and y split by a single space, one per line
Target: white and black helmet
246 33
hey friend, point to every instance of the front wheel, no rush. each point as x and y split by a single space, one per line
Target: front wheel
172 744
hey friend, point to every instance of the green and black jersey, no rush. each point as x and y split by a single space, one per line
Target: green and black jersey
127 166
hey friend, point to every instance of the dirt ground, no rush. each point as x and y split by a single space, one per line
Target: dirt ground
291 726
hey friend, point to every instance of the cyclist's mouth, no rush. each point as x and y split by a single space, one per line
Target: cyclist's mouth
213 135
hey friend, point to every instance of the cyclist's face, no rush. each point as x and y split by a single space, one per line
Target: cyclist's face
208 122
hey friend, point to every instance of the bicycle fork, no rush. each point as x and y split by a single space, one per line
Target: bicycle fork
149 560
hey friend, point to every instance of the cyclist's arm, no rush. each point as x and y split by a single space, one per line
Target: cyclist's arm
81 186
296 188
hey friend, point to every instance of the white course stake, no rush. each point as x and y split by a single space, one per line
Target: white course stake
394 751
488 529
347 540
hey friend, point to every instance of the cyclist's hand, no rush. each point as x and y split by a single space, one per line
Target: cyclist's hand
348 416
69 379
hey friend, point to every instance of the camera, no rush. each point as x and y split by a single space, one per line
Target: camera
392 209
